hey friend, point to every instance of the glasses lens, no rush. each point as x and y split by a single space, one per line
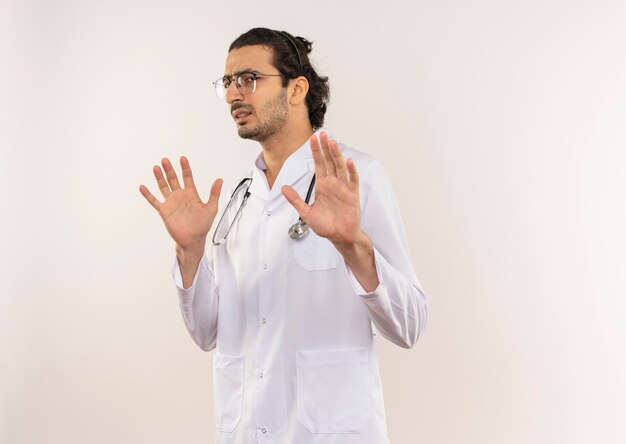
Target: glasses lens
246 82
231 213
220 89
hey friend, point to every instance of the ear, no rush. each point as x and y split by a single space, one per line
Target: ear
299 89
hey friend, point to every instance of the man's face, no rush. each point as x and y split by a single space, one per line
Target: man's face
263 113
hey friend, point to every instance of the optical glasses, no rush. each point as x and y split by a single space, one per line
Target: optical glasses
244 81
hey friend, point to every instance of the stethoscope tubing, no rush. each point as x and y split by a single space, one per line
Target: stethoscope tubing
296 231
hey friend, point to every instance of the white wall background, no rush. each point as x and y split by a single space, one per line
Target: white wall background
503 124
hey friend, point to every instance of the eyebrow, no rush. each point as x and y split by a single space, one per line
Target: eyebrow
236 73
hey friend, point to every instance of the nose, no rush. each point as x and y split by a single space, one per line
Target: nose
232 94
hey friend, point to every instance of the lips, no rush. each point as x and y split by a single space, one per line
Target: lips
237 115
240 113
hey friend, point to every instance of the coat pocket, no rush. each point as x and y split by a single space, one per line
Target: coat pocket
228 373
314 253
334 390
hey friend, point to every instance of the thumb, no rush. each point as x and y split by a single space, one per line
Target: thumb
296 201
216 190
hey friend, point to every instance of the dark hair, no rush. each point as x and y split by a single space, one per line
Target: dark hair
291 59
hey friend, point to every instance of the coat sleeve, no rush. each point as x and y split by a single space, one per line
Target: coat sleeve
199 304
398 307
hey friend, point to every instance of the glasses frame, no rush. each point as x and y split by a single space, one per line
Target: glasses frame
245 183
221 83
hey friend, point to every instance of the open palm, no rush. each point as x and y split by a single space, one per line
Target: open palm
335 214
187 219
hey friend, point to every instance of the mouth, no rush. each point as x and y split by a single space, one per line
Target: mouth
240 115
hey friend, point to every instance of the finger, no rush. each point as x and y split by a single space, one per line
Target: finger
318 157
331 170
214 196
296 201
149 197
353 175
172 179
163 186
187 175
339 161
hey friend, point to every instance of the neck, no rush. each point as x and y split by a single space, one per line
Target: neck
280 146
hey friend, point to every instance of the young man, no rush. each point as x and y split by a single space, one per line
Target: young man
288 291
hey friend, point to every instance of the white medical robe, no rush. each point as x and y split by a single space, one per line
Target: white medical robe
291 327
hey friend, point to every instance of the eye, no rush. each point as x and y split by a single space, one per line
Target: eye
247 78
226 81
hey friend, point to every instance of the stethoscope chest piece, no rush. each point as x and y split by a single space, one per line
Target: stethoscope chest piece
298 230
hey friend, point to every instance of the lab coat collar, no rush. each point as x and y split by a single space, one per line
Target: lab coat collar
297 165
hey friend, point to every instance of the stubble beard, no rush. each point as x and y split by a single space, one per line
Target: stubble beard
276 113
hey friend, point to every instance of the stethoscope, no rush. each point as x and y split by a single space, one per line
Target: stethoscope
296 231
300 228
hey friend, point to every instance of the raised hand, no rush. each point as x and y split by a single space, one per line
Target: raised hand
187 219
335 213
